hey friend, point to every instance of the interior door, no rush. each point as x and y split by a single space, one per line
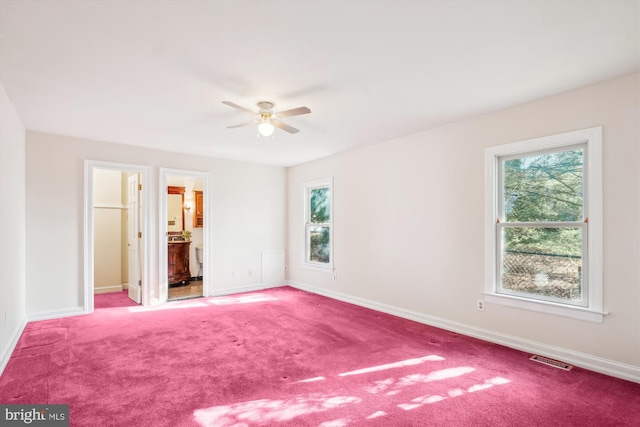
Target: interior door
135 239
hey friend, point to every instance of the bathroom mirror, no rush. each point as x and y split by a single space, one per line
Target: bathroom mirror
175 210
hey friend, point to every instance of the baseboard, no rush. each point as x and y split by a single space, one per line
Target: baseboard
592 363
106 289
240 289
6 356
48 315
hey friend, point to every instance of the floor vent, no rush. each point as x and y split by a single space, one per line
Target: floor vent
551 362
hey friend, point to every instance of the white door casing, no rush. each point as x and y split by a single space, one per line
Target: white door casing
134 238
146 293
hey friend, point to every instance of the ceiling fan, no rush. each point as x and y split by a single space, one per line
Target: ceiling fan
266 118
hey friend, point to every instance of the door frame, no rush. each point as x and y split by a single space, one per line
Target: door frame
164 174
89 167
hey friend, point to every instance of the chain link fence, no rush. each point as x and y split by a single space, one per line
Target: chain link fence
552 275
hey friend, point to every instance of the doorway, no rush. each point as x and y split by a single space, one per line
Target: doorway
184 223
116 252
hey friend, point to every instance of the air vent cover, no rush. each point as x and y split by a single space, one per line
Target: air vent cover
551 362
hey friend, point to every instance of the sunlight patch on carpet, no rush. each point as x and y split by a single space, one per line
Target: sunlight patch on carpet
241 299
434 376
429 399
310 380
376 415
403 363
392 386
168 306
268 410
342 422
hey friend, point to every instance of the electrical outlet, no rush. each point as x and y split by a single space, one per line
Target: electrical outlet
335 277
250 272
285 268
480 305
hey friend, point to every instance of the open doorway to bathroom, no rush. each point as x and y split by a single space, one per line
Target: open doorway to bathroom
115 256
185 194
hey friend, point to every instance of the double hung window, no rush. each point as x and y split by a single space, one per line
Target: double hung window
318 224
545 224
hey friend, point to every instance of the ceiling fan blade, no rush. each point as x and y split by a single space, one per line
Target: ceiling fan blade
294 112
231 104
240 125
285 127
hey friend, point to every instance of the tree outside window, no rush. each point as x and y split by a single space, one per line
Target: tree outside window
544 225
318 223
542 233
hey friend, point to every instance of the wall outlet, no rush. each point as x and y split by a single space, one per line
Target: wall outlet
480 305
285 268
250 272
335 277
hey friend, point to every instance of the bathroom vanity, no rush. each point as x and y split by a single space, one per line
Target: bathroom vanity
178 262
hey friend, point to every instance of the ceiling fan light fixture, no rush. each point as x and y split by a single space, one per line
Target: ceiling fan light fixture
267 119
266 128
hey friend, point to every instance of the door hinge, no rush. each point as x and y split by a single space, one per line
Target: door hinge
139 234
140 187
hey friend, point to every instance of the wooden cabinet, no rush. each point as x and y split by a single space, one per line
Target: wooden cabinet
179 262
198 215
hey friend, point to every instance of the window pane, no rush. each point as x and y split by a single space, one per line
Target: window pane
319 244
544 263
319 202
544 187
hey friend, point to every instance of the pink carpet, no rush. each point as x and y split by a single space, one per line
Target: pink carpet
284 357
112 299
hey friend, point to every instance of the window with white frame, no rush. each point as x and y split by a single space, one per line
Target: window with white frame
318 223
544 224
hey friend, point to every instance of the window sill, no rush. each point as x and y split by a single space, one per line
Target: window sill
318 267
579 313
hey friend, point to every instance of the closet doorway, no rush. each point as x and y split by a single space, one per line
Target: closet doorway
184 219
116 251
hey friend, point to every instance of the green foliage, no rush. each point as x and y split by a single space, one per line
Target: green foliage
319 213
543 188
319 248
556 241
319 205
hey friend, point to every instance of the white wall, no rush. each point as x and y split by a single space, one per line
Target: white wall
409 221
247 215
12 218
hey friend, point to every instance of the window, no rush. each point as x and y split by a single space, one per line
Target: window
544 224
318 224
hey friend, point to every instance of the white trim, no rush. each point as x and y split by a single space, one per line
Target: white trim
89 285
12 345
207 226
101 205
306 186
317 267
587 361
56 314
241 289
570 311
592 138
107 289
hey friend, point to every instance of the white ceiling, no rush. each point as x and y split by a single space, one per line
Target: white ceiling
154 73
